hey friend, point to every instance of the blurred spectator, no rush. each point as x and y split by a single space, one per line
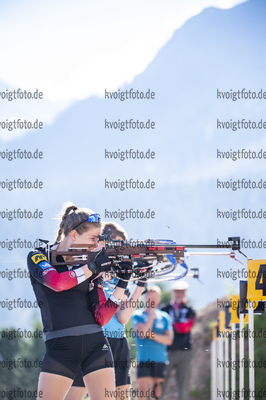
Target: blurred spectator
179 352
154 332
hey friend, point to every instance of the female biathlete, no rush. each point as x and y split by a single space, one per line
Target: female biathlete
73 308
115 332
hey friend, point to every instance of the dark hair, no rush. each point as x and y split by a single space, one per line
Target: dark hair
71 216
116 230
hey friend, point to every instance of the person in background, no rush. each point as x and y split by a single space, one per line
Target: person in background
154 332
179 353
115 332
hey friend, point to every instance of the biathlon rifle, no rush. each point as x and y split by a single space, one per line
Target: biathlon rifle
146 250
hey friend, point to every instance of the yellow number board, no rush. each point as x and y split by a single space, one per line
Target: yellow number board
214 330
222 321
235 310
256 280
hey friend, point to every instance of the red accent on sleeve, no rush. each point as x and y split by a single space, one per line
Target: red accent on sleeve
59 282
104 309
184 327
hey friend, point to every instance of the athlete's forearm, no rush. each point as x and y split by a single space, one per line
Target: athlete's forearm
123 315
40 269
103 310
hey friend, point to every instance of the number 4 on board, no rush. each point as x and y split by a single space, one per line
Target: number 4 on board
260 283
256 280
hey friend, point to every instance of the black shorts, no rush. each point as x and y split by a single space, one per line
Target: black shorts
64 354
151 369
121 355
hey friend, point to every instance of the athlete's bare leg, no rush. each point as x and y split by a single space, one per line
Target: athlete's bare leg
52 386
100 383
76 393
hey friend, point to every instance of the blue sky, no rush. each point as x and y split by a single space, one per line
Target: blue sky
71 50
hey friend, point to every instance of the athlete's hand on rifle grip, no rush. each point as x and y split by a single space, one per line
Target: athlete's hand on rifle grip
101 263
124 272
143 275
